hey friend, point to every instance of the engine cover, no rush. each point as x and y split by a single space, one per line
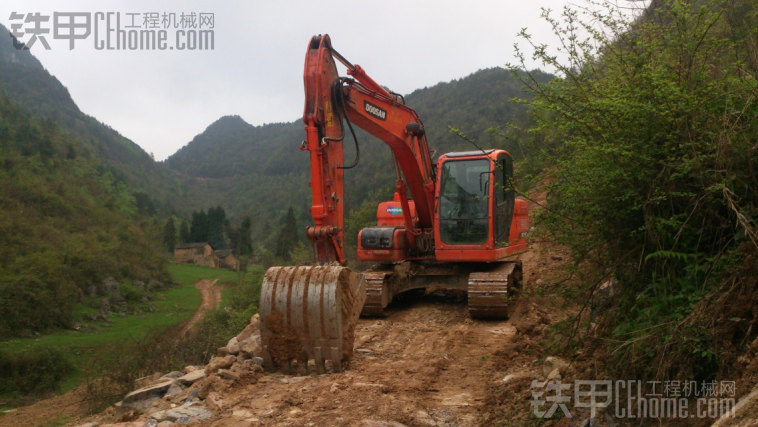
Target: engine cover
382 244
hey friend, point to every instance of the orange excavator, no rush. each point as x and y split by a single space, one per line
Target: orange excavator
458 230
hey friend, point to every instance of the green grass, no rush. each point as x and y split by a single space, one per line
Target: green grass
177 305
190 275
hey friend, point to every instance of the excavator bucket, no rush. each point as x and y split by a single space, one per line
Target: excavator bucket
309 313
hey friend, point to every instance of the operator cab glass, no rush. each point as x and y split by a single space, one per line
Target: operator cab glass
464 191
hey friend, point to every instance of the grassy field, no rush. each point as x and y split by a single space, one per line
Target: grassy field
172 307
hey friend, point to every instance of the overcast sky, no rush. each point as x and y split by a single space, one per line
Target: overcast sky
162 99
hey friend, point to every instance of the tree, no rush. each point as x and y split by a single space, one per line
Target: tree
145 204
245 240
184 232
216 219
654 173
288 236
169 235
199 227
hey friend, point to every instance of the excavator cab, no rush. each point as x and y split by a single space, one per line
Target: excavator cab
463 201
479 218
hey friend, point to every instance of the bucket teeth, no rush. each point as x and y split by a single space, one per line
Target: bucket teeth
309 313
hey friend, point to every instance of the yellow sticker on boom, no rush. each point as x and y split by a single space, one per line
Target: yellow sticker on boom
329 115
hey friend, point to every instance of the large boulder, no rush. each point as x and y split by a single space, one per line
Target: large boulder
109 286
233 345
252 347
247 333
145 395
181 415
220 363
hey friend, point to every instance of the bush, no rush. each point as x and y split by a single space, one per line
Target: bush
654 168
32 373
131 292
29 303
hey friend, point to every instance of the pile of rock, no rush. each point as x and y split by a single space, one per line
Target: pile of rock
247 344
193 394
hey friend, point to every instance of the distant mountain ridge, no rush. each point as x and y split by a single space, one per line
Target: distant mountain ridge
259 170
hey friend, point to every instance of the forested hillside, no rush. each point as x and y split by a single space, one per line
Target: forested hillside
66 223
259 171
37 92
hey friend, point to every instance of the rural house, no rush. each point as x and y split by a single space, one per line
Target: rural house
195 253
226 259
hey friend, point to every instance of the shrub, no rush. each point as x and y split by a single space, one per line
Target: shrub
32 373
131 292
654 168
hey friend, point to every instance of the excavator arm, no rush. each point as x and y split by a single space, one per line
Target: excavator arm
310 312
330 103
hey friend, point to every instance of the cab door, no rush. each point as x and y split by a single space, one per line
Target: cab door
504 199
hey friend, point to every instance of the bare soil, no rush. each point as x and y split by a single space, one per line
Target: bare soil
427 364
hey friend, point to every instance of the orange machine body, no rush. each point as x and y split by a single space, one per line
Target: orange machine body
461 208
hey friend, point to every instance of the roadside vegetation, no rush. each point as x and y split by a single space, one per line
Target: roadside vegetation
132 345
649 139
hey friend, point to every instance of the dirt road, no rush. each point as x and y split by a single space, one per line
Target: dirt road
427 364
211 300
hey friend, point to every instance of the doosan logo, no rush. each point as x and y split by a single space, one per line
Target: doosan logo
394 210
375 111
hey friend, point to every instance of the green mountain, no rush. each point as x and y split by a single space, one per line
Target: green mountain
66 224
78 201
259 171
24 80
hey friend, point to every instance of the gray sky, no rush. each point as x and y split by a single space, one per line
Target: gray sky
162 99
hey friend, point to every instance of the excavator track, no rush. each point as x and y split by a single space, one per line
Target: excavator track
377 294
491 288
491 294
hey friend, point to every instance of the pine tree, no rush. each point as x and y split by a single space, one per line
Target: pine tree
216 218
184 233
288 236
245 239
199 227
169 235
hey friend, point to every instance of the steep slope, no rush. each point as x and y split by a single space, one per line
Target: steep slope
75 200
65 225
259 171
26 82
